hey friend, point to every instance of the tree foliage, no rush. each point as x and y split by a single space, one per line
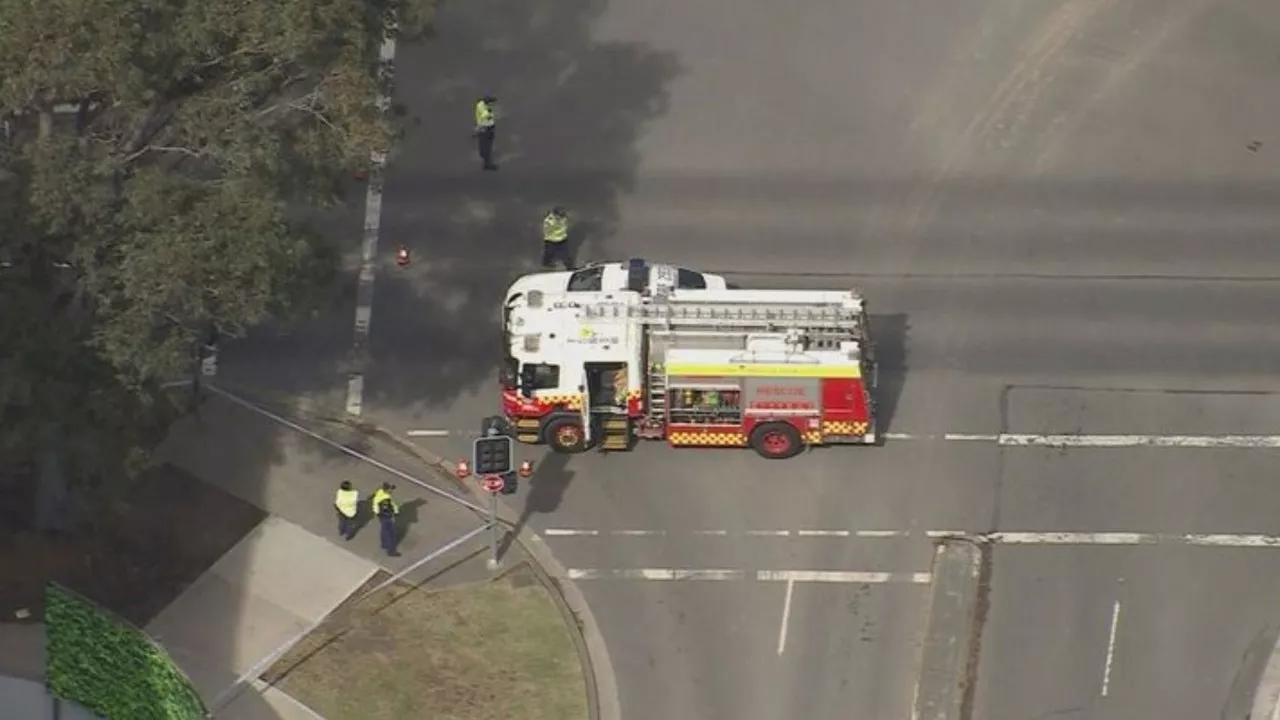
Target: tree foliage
154 158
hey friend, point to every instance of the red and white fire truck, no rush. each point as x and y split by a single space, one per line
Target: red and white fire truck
775 370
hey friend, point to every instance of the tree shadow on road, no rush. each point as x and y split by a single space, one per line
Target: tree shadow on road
572 108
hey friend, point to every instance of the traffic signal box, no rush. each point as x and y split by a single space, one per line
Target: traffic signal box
492 455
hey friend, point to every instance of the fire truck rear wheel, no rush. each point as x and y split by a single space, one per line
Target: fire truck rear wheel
565 435
776 440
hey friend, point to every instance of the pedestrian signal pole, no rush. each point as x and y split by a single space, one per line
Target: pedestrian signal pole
491 458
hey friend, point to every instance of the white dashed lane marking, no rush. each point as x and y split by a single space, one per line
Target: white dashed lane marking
368 255
1188 442
791 576
1221 540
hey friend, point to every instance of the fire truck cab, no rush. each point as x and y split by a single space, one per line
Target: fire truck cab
774 370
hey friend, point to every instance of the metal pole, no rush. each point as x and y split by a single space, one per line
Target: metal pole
494 563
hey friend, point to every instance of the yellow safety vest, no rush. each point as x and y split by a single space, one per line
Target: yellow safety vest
485 116
347 501
377 499
555 228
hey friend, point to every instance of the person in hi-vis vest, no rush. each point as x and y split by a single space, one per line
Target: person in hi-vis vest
555 239
486 129
347 503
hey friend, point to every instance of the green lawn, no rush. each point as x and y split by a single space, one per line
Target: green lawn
496 650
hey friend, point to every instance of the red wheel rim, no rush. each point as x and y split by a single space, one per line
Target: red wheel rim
567 435
776 442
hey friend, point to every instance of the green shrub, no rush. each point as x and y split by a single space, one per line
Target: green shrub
110 667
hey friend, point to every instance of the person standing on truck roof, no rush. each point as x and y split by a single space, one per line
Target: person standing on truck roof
555 236
486 129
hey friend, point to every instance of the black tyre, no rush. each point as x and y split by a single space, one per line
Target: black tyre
776 440
564 435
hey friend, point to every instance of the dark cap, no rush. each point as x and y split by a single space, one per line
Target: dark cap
346 485
388 486
488 99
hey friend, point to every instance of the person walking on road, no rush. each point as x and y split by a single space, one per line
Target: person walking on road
486 129
387 511
555 236
379 495
347 503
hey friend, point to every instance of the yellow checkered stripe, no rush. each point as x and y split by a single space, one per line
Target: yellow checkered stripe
812 437
844 427
726 439
573 401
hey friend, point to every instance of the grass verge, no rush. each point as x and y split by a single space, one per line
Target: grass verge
496 650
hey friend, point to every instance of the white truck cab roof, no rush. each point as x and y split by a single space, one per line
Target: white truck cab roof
635 274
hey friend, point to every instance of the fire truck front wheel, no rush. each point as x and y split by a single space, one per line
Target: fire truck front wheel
565 435
776 440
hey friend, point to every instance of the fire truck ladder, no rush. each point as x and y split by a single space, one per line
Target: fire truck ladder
834 319
655 404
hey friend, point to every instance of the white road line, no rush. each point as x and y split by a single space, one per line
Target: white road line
1072 538
881 533
656 574
1111 649
786 618
1125 441
355 394
1256 541
968 437
1242 442
1122 538
903 436
369 251
790 576
1209 540
840 576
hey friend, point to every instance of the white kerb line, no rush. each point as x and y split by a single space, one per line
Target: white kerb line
369 248
1111 649
786 617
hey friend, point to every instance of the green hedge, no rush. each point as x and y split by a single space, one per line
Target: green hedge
109 666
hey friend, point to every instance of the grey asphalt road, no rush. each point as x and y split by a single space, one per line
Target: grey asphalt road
836 646
1106 633
1062 214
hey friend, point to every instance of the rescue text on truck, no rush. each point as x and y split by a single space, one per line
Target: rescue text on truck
776 370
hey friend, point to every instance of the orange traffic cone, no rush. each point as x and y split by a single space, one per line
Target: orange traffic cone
402 256
463 470
526 469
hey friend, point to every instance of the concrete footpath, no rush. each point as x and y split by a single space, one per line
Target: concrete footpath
275 585
278 582
602 686
285 576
